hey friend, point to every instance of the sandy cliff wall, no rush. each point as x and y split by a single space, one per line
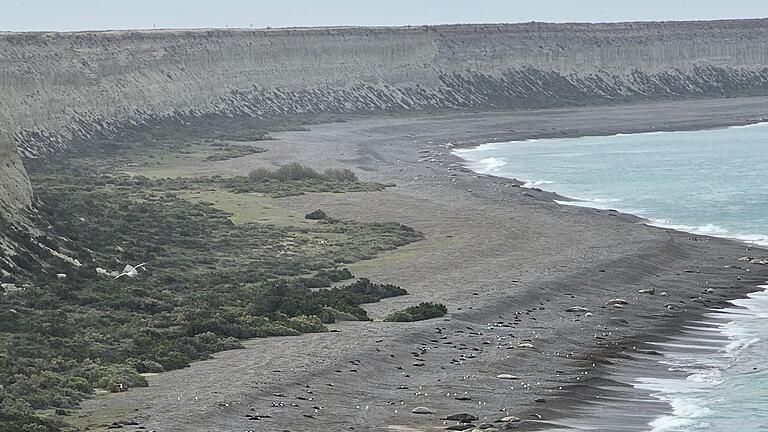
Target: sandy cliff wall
55 86
15 202
15 190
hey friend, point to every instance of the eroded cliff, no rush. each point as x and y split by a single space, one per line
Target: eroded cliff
15 190
58 86
15 204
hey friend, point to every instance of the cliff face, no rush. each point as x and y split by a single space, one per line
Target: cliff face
15 202
15 190
56 86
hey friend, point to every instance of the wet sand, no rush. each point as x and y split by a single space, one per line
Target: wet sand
508 262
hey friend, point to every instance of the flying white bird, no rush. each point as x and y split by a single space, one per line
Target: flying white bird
130 271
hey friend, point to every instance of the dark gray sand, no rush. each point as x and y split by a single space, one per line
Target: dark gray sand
508 265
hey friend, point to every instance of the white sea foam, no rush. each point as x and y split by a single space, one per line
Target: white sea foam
751 125
685 415
669 423
490 165
710 230
687 409
536 183
603 204
498 145
691 397
740 345
707 229
477 149
597 200
711 377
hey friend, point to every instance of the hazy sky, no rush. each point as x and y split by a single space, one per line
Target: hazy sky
63 15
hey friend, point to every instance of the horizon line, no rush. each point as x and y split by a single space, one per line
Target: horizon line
399 26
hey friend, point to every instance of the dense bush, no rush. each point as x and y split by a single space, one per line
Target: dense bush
16 415
344 174
296 171
301 179
422 311
335 275
324 278
330 315
287 172
260 174
281 299
111 377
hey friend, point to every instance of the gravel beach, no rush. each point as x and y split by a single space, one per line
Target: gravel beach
518 272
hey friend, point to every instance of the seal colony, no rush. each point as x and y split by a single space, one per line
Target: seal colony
545 301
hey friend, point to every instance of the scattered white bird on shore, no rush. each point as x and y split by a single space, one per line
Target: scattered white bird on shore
130 271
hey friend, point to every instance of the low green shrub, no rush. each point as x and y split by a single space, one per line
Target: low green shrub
422 311
344 174
16 415
112 377
260 174
316 215
306 324
330 315
229 151
296 171
294 178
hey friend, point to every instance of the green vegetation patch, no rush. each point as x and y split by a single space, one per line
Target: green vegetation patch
276 188
295 179
208 283
272 185
160 155
420 312
228 151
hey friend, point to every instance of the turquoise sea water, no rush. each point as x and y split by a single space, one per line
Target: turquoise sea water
708 182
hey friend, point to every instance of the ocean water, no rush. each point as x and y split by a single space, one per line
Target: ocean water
709 182
722 386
